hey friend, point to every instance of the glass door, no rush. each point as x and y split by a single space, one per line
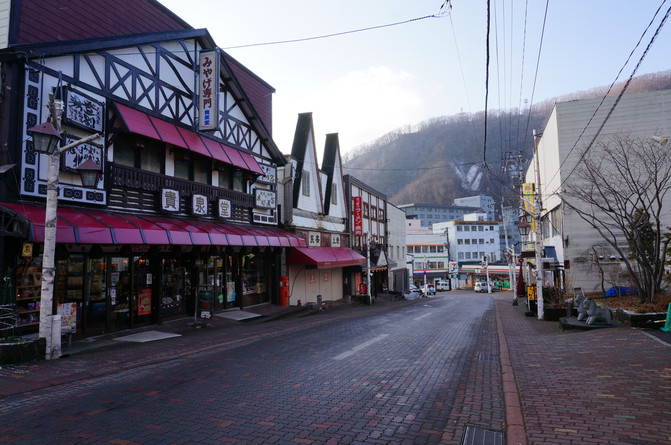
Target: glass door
96 295
120 291
141 302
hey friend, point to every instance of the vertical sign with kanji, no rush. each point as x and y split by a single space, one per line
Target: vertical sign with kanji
208 89
358 221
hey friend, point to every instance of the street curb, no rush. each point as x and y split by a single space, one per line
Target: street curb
515 430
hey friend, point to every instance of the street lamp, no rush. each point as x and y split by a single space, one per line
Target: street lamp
46 140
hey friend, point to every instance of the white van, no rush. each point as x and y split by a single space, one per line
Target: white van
442 285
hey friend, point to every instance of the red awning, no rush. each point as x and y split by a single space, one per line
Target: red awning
325 257
149 126
91 226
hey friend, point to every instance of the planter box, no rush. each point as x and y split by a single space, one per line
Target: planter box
633 319
553 313
22 352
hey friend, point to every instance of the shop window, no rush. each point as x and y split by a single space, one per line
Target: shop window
174 288
182 167
136 152
202 171
225 178
432 249
254 285
239 182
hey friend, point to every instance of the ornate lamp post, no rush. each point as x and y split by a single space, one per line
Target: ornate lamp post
46 139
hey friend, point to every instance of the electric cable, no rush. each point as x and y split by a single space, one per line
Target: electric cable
617 100
484 151
603 99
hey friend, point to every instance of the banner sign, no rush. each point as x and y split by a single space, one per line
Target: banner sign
358 221
208 91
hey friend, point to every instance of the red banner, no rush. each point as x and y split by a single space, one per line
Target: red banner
358 226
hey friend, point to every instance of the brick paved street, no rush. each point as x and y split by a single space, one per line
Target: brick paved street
410 374
400 372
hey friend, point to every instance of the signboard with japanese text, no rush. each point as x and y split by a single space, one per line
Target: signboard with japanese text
269 174
144 302
170 200
83 111
199 204
358 220
208 89
314 239
224 207
68 313
335 240
76 156
265 199
529 191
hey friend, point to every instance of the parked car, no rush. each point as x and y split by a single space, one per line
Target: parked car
412 294
429 289
414 288
481 286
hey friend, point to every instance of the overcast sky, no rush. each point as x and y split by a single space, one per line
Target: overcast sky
362 85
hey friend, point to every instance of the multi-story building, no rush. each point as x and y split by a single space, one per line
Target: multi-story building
368 233
428 258
182 219
396 249
571 127
315 208
484 204
430 214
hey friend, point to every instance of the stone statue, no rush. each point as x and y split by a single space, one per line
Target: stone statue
596 313
579 303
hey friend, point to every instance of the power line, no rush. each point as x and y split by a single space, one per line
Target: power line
645 31
538 62
624 89
484 150
326 36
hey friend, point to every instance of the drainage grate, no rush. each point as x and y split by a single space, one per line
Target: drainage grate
480 436
488 357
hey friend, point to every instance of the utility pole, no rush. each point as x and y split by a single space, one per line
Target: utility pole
538 206
511 258
368 274
449 259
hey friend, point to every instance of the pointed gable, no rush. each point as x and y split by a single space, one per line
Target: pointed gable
334 196
307 190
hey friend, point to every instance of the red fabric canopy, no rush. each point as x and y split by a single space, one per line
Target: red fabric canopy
91 226
149 126
325 257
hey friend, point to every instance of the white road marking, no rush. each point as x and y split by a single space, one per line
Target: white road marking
359 347
422 316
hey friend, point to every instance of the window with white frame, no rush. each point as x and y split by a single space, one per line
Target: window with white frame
334 195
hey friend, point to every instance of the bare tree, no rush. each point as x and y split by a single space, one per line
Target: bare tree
620 189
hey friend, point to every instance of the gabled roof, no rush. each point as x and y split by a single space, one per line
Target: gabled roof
302 137
331 158
41 21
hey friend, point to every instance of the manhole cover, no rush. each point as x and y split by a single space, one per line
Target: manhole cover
480 436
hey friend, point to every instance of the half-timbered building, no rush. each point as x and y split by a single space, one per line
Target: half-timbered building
183 219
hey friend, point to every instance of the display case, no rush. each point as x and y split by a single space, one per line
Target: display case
28 292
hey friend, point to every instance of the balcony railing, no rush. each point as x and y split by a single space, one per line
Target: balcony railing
135 188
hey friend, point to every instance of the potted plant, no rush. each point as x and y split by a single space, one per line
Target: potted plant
554 304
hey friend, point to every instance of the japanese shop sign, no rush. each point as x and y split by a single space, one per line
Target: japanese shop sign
314 239
358 226
170 200
224 208
208 90
199 204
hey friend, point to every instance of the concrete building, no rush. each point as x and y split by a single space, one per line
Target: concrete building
484 204
397 249
580 250
430 214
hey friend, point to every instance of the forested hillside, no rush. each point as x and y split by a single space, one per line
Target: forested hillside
444 158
